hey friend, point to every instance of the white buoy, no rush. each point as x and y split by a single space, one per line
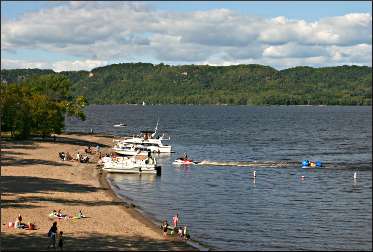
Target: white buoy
355 175
254 174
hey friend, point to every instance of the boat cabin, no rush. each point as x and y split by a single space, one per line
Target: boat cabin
147 134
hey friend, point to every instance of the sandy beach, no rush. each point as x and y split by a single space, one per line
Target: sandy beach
34 181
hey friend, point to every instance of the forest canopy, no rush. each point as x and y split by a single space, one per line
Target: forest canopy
133 83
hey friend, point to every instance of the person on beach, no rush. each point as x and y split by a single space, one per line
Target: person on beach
186 233
175 220
165 227
52 235
180 232
80 214
60 241
78 156
68 156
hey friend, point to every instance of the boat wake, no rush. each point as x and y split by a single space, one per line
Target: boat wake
260 164
287 164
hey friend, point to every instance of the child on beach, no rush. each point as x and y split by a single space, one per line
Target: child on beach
60 241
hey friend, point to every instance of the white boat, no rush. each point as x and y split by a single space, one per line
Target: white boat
120 125
130 149
148 140
134 164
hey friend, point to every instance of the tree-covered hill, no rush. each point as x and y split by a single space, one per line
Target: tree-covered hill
202 84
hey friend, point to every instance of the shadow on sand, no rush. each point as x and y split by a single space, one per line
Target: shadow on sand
13 161
26 184
69 140
89 242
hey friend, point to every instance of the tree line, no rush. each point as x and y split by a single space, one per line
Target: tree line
133 83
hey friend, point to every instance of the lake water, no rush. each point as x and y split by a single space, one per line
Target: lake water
223 206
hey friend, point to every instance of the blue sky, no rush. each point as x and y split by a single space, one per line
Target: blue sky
280 34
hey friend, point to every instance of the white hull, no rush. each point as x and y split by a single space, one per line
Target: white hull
160 149
129 151
140 170
137 164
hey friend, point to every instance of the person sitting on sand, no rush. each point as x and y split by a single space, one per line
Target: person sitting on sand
80 214
84 159
88 150
68 156
61 155
17 224
60 214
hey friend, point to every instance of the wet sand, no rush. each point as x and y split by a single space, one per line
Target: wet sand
34 181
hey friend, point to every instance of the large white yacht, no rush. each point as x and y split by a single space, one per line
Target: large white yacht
147 139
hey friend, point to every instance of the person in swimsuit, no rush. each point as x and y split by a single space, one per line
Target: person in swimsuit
165 227
175 220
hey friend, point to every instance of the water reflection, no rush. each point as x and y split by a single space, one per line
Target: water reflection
125 178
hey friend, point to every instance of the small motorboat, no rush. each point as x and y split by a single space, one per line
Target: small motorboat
119 125
311 164
181 161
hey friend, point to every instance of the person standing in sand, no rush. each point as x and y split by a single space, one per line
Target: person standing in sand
175 220
165 227
52 235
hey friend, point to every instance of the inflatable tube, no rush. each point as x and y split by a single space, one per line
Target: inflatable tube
306 163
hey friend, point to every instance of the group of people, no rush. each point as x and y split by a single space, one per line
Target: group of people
181 231
58 214
65 156
81 158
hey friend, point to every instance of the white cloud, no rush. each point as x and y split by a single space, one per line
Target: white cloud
132 31
77 65
57 66
20 64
